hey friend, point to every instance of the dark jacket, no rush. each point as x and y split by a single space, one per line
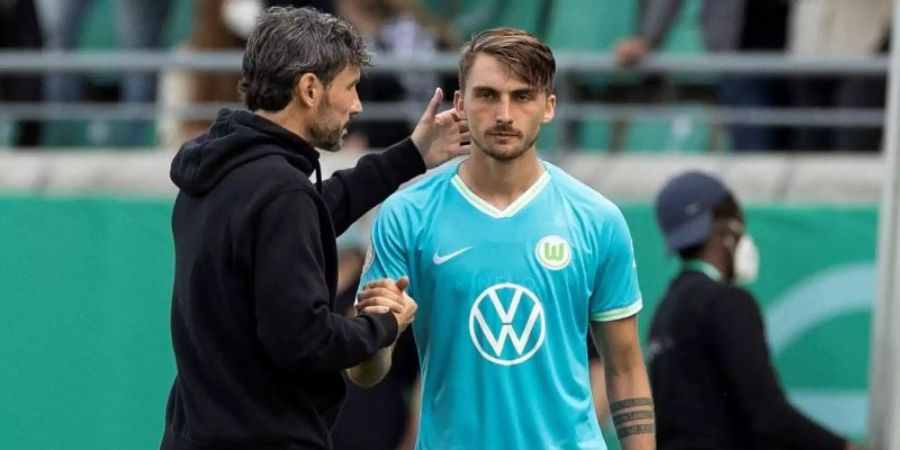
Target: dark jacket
258 348
713 383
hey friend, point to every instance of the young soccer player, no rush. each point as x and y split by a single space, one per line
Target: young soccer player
512 261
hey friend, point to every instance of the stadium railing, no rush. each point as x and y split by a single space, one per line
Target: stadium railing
572 68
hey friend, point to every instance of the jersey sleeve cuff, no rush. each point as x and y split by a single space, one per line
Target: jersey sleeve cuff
618 313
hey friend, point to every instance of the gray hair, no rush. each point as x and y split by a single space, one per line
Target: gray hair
289 42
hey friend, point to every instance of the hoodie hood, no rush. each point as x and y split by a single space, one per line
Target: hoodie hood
236 138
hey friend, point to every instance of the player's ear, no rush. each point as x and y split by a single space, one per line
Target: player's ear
458 103
550 111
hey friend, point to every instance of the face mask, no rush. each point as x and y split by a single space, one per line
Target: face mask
240 16
745 254
746 260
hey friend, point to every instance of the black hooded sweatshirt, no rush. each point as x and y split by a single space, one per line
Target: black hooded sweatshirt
258 348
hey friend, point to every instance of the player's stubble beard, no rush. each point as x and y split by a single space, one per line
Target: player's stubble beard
324 136
505 156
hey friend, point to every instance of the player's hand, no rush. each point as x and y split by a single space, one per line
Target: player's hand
631 51
442 136
386 296
381 296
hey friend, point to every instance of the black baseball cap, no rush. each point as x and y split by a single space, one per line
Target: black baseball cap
684 208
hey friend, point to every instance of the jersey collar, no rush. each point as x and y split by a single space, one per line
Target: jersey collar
514 207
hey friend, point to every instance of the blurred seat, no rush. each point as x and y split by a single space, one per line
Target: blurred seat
682 134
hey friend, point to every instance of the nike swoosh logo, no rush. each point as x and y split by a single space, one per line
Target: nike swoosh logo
438 260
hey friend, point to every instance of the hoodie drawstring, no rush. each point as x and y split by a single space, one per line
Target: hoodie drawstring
318 177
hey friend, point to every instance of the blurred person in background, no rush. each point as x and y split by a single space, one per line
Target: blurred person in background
218 25
712 377
21 30
140 26
259 347
401 29
727 26
839 28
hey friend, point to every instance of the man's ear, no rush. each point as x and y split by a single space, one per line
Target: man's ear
458 103
550 112
309 90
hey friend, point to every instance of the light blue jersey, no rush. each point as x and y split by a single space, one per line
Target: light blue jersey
505 299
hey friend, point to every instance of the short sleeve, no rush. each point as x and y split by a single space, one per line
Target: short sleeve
616 293
386 255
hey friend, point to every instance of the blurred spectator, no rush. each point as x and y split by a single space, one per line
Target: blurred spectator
140 26
396 28
382 417
727 26
710 368
218 25
401 29
19 29
846 28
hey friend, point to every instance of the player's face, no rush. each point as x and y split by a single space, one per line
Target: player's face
504 112
337 107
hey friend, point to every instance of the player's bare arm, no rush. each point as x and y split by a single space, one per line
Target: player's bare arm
627 386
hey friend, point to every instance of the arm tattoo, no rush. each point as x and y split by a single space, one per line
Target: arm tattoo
633 416
635 429
630 403
622 418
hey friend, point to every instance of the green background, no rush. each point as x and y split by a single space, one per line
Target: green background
85 283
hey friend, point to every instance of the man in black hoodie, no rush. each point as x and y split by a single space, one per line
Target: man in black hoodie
258 347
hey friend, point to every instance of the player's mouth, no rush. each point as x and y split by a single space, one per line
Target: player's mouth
504 135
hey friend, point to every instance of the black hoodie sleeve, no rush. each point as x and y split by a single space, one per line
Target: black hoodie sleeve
293 320
350 193
740 347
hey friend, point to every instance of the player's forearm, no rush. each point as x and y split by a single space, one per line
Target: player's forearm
372 371
631 407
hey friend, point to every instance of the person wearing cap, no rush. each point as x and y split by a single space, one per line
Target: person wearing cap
712 378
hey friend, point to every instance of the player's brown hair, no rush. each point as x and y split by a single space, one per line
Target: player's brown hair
526 56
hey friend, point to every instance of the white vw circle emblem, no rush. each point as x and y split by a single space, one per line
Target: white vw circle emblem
511 313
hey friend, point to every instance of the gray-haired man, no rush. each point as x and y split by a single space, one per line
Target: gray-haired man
258 347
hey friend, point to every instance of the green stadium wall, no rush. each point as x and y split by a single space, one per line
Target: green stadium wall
86 360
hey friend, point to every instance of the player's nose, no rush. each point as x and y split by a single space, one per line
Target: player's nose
502 114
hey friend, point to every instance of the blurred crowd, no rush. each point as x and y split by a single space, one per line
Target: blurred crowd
415 30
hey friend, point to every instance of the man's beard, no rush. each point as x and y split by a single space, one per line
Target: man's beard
322 137
508 155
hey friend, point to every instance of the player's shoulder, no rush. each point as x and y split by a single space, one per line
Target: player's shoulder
418 195
582 198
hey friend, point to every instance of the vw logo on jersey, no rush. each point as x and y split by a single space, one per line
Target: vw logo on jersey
507 324
553 252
